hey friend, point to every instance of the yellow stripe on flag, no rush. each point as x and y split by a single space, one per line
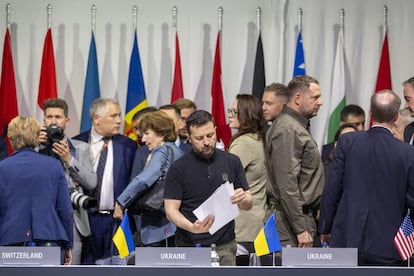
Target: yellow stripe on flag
131 113
260 244
121 243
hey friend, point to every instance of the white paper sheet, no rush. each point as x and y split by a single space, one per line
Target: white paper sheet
218 205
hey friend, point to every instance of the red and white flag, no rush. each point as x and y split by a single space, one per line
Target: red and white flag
404 239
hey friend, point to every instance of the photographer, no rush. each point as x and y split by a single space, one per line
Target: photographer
76 160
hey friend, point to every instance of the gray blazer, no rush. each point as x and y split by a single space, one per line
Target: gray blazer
80 173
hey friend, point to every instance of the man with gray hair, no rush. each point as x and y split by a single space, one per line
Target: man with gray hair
369 187
113 156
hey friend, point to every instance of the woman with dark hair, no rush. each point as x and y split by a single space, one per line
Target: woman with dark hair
158 133
344 128
246 116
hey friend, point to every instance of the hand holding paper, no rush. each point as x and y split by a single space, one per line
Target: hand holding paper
219 205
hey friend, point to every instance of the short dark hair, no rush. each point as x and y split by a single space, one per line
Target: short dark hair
337 134
409 81
279 89
351 109
385 112
184 103
142 112
56 103
300 83
171 107
199 118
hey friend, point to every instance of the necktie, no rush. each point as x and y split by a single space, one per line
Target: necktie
101 167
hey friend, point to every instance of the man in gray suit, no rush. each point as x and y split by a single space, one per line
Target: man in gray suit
77 163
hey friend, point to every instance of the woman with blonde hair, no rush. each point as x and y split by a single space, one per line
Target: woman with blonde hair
36 209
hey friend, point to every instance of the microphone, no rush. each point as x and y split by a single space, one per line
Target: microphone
166 238
27 237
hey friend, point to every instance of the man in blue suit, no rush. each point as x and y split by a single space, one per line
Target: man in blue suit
113 176
369 187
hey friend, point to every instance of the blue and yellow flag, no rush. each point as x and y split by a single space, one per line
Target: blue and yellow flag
136 98
299 68
123 238
267 241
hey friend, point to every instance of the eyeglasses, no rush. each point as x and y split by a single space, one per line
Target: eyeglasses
233 112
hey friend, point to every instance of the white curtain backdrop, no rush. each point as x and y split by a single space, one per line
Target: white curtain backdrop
197 27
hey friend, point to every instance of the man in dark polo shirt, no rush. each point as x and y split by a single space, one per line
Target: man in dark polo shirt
193 178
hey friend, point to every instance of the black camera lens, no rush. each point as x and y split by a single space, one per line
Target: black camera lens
54 134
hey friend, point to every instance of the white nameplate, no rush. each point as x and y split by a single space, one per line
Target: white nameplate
172 256
319 256
26 255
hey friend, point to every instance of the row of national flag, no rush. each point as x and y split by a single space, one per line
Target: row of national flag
136 95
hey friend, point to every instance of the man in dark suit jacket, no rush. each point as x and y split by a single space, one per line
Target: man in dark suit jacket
369 188
104 134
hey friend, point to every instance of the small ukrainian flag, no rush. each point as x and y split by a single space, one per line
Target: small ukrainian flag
267 241
123 238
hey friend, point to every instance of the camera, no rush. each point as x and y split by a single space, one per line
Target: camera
54 134
80 200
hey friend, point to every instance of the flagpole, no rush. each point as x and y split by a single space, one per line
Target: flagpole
8 12
385 10
409 258
174 26
273 253
300 14
49 16
134 17
259 19
174 18
220 18
93 18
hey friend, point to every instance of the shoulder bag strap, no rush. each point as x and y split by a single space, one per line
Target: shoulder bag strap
164 164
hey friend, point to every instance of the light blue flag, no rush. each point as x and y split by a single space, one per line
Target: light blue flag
299 68
92 90
136 98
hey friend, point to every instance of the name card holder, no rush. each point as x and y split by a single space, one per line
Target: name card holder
31 256
172 256
339 257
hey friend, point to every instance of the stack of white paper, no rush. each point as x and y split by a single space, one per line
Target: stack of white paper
218 205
